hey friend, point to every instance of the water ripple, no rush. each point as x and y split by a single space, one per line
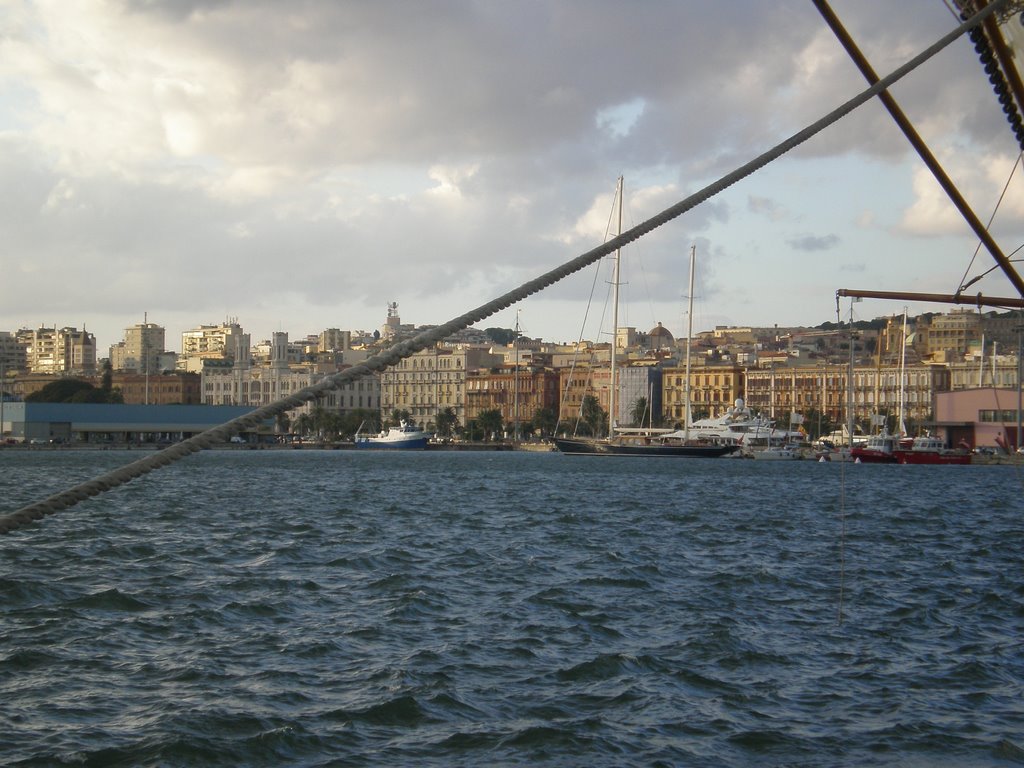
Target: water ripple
335 608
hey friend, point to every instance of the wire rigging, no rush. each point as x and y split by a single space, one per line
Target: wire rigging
964 283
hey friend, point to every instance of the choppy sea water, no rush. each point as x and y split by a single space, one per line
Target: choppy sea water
343 608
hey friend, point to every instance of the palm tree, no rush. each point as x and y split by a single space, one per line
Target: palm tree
447 422
490 422
304 424
593 415
546 420
639 412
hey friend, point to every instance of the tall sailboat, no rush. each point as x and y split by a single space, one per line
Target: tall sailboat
641 442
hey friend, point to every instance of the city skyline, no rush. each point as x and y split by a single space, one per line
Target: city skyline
157 161
358 334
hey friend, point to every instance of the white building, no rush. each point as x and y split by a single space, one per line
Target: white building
58 351
212 342
245 382
141 350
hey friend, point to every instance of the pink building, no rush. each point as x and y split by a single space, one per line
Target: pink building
985 416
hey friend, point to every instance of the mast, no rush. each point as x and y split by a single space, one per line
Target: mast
903 364
515 385
612 396
689 338
981 363
849 384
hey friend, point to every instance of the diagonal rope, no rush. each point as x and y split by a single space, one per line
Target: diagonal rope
115 478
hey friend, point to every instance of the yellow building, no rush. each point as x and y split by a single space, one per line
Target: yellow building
432 380
713 390
778 392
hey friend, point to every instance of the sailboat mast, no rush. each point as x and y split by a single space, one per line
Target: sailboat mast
689 339
903 365
515 385
612 398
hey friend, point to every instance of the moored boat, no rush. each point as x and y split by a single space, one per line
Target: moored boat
406 437
635 445
928 449
778 453
877 449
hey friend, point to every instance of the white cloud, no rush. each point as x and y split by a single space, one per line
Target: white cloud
301 164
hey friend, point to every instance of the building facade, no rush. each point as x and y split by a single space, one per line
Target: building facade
58 350
168 388
432 380
518 392
141 349
713 390
212 342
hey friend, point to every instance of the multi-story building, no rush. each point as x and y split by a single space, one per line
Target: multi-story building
779 392
211 342
517 391
954 332
998 371
637 384
432 380
141 349
242 382
713 390
578 381
60 351
334 340
168 388
12 354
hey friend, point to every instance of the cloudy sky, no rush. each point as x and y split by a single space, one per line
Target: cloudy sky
296 166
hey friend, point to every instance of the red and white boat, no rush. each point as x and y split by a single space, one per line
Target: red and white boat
928 449
877 449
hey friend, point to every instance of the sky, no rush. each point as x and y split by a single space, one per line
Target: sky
297 166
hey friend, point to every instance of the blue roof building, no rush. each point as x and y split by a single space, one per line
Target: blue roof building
94 422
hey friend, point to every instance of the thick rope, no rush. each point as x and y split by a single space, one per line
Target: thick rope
65 499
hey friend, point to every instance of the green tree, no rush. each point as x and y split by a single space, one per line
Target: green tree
362 421
398 416
447 422
639 412
107 382
62 391
490 422
546 420
593 415
283 422
303 424
817 423
472 430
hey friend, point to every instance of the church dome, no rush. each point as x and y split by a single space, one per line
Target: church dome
660 336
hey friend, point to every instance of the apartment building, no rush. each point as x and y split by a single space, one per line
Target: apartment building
12 354
245 381
713 390
141 349
432 380
58 350
212 342
955 332
778 392
518 392
578 381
